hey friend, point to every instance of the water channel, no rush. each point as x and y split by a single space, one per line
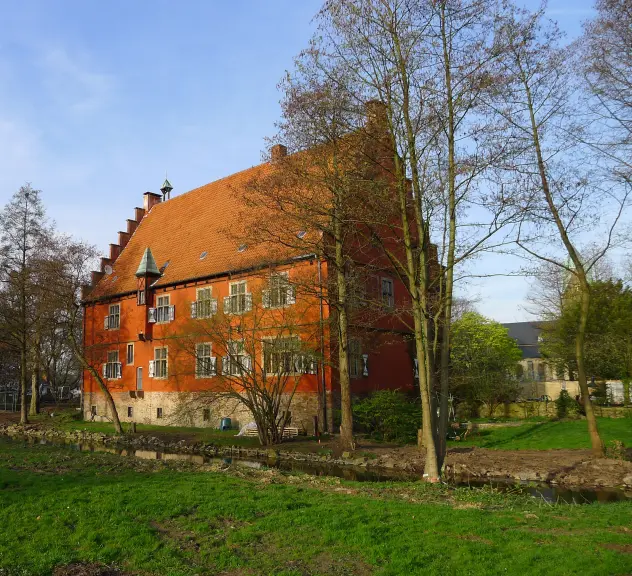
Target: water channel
544 491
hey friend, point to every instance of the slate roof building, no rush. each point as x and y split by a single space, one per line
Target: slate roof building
539 377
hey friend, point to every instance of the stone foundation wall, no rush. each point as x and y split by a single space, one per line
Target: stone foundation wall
188 409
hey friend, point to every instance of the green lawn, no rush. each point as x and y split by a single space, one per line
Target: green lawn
550 434
207 435
58 506
533 434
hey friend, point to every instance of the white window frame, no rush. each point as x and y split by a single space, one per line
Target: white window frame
388 296
130 346
113 318
160 413
232 298
156 362
205 364
267 355
163 312
280 292
355 357
230 368
197 307
112 369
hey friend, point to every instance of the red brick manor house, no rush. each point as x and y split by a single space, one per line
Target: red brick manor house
175 266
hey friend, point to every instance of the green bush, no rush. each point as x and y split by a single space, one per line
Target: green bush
565 404
388 415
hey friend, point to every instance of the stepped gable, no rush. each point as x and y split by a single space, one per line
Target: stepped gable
180 230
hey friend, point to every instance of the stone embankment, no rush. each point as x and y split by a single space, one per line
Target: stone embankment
569 468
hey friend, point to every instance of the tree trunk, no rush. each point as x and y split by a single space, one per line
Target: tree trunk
346 421
24 377
431 469
595 439
580 273
449 274
35 399
106 392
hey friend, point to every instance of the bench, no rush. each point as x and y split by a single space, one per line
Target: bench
288 432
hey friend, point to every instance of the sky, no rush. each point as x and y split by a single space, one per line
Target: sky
99 100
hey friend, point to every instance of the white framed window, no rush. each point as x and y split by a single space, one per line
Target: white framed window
140 297
388 294
205 363
113 319
130 354
163 309
240 300
280 292
112 368
205 305
158 412
130 411
355 358
279 355
139 378
159 366
237 361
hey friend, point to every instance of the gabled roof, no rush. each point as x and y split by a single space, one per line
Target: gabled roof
527 336
195 233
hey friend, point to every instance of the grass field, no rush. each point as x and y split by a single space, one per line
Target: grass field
207 435
59 506
550 434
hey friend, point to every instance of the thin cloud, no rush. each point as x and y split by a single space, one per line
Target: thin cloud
73 85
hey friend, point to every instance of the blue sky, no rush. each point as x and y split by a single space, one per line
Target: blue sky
99 99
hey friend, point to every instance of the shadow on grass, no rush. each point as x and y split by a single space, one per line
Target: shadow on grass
528 433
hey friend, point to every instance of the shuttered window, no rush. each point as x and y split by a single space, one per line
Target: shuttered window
204 361
160 363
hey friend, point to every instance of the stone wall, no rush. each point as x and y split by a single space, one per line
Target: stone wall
550 388
195 410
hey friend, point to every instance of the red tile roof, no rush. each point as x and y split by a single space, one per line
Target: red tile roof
180 230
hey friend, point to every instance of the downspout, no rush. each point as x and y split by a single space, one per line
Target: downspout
83 384
322 348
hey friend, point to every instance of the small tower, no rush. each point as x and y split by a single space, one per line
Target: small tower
146 274
166 190
147 269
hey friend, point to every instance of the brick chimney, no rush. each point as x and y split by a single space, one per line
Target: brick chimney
150 199
277 152
376 115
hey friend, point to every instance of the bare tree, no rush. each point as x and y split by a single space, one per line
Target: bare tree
24 234
427 64
560 202
254 361
606 49
309 201
67 276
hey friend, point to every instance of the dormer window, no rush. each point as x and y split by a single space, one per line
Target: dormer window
113 319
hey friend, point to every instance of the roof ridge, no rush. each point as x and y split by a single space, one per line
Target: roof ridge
233 175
